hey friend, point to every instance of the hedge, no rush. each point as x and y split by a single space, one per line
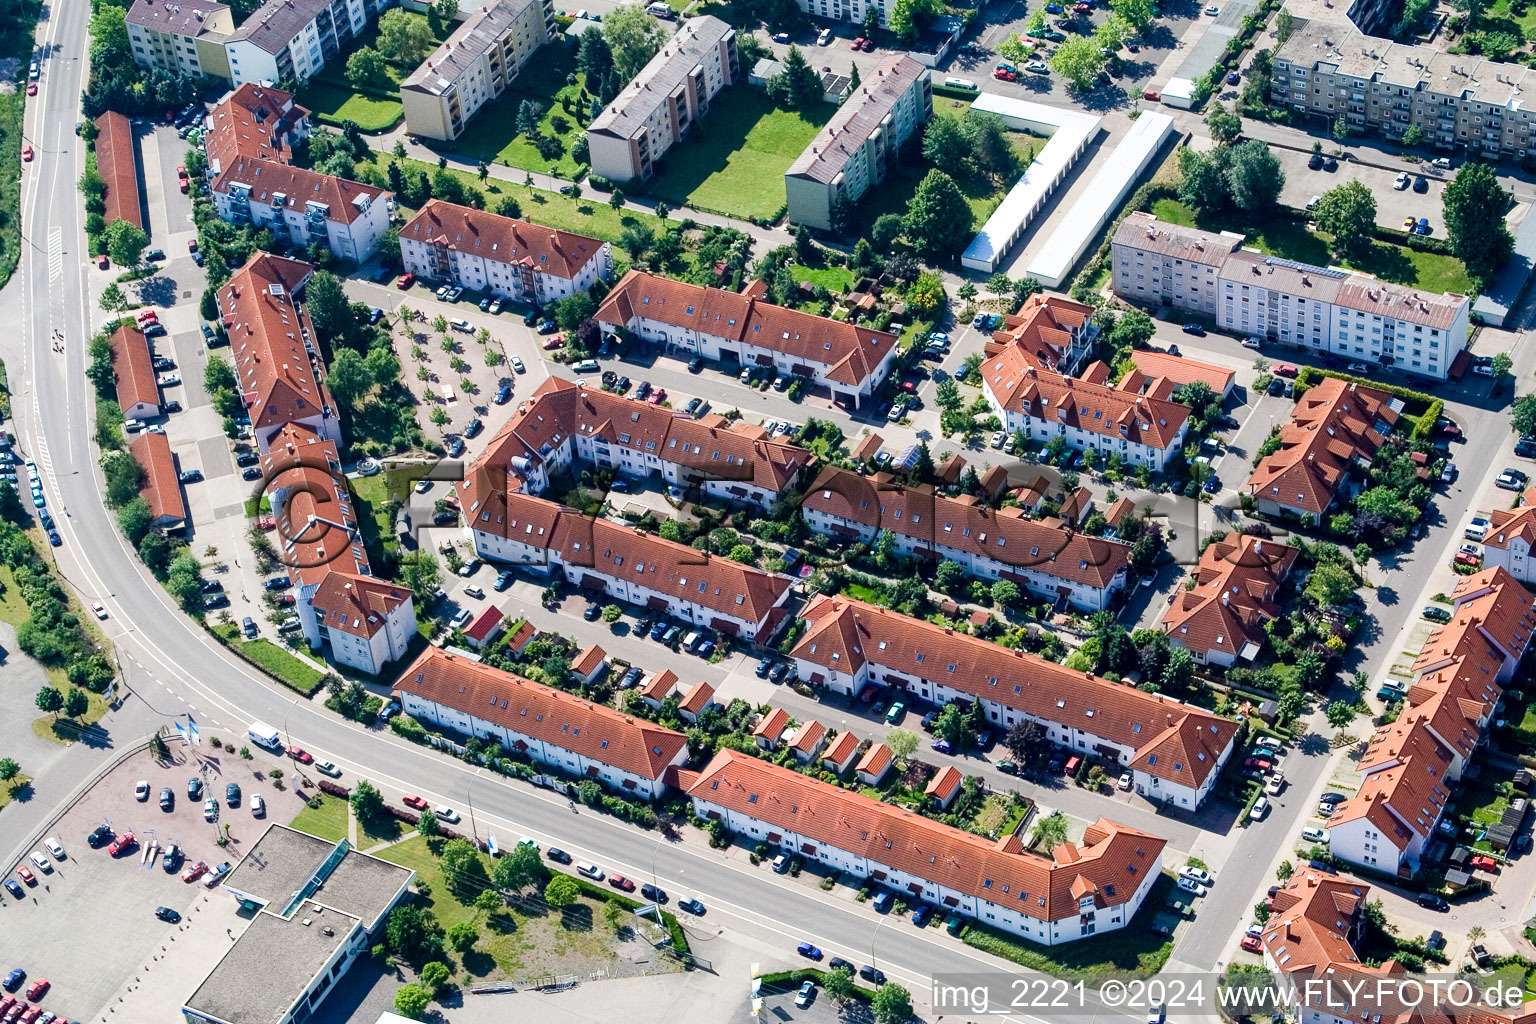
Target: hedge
939 89
794 978
1423 422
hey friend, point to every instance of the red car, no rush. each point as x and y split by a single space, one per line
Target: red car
1252 944
30 1015
31 88
102 261
146 316
181 172
185 186
194 871
1152 94
1003 74
122 844
284 600
1485 864
412 800
857 44
451 500
1258 762
658 396
300 755
555 342
26 153
1082 8
1286 370
620 882
1466 558
38 989
405 281
26 874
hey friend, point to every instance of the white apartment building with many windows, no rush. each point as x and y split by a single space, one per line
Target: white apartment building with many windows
185 38
473 66
1323 309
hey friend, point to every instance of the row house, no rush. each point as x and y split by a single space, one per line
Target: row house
566 425
1047 558
1075 891
509 258
850 361
1175 752
625 563
1325 449
254 121
546 725
1413 765
1510 542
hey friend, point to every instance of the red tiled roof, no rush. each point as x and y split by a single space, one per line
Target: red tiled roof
1005 535
1180 370
1021 387
841 748
1335 425
520 636
1110 864
319 530
875 760
676 570
134 369
345 200
1173 741
1308 932
1041 331
809 736
356 604
772 725
1235 594
501 239
660 686
552 716
868 446
484 623
851 352
945 782
587 661
698 698
266 336
161 488
255 121
118 165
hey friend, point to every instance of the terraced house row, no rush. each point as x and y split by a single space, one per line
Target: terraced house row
1412 766
1075 890
1174 751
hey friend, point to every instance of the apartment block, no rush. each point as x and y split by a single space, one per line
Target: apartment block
1331 70
513 259
849 361
183 38
473 66
855 148
1511 539
656 110
1321 309
253 121
1044 557
300 206
291 40
1074 891
1173 751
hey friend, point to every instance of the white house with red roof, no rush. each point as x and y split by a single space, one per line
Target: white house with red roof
850 361
1220 620
1411 766
1076 891
512 259
544 724
565 424
1510 542
628 564
1044 558
1174 751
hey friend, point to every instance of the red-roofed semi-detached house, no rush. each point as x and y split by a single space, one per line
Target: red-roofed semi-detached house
547 725
1079 890
512 259
850 361
1174 751
700 696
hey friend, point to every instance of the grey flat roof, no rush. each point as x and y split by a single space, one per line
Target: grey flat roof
284 859
1208 48
673 63
1510 280
271 965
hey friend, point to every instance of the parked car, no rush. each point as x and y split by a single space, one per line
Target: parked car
558 855
808 951
591 871
1433 902
1260 808
1313 834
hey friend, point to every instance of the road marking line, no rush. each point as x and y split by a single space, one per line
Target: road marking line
55 254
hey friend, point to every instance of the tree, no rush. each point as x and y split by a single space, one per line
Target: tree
634 37
1132 328
1522 416
1079 60
1138 12
571 311
329 309
945 146
434 975
1005 593
462 868
947 394
1254 177
413 933
367 68
1225 127
1050 831
429 825
616 199
839 984
903 743
77 703
1329 585
368 804
349 379
594 59
528 114
561 891
798 86
412 1000
891 1004
1179 673
1201 183
1501 366
134 520
950 726
938 216
50 699
463 936
1474 219
926 294
404 38
1113 32
909 17
1348 213
885 231
1025 740
519 869
1414 135
112 298
124 476
125 242
1339 714
9 769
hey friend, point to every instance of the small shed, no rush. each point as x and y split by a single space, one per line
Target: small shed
590 664
485 627
763 70
1523 780
770 729
875 764
839 755
944 786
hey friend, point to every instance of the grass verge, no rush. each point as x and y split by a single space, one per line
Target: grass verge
18 27
264 654
8 790
59 729
328 821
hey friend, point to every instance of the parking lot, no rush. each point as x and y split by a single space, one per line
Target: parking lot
87 966
1302 183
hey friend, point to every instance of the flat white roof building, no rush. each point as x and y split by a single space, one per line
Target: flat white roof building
1069 131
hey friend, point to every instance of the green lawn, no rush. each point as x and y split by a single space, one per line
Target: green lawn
334 102
834 279
1290 239
329 821
1498 19
371 496
296 674
735 158
493 136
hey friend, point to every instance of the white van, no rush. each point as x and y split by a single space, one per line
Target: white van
659 10
962 83
264 735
